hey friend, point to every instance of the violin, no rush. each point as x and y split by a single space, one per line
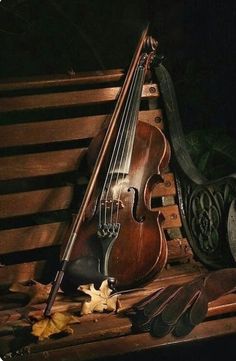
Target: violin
116 235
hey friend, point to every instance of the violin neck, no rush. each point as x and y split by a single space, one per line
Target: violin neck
122 152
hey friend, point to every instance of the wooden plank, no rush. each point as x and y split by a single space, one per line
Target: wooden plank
133 343
165 188
64 129
88 332
44 200
39 164
68 99
58 80
26 238
224 305
124 344
153 117
21 272
51 131
171 216
179 250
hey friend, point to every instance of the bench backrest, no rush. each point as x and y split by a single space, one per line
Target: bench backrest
46 124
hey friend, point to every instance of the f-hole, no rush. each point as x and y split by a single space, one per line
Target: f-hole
135 204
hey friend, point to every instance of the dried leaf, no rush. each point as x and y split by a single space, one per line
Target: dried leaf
100 299
37 292
58 322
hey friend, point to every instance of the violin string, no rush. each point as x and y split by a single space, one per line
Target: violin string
131 124
134 110
118 161
133 121
117 142
123 159
118 181
111 164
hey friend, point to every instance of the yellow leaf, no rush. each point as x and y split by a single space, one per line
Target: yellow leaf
100 299
58 322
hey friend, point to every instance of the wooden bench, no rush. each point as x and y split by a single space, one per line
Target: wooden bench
47 124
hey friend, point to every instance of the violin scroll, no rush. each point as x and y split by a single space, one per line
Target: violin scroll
150 44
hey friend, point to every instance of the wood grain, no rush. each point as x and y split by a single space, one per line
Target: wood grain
39 164
21 272
165 188
171 216
35 201
179 250
67 99
64 129
26 238
44 235
110 330
123 345
59 80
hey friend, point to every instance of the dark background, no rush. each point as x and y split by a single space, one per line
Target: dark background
197 38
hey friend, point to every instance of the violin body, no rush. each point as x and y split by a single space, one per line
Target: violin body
115 235
137 250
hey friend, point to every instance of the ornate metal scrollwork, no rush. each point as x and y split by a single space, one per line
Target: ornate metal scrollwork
205 211
205 215
207 208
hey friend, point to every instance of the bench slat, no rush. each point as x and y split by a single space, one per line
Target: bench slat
63 129
165 188
44 200
171 216
68 99
38 164
42 236
124 344
26 238
51 234
21 272
50 81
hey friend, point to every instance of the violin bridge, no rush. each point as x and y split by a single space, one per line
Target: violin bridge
114 204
